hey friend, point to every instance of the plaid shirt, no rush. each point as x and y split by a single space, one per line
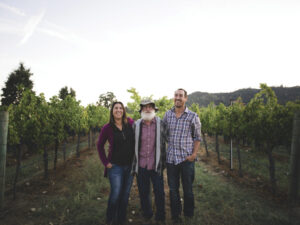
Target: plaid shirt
182 132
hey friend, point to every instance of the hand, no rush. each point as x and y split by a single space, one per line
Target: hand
191 158
109 165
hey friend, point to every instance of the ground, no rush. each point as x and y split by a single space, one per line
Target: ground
77 193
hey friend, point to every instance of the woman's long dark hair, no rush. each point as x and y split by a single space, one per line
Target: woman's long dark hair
124 117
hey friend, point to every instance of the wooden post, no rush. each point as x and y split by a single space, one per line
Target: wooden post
231 150
295 160
3 141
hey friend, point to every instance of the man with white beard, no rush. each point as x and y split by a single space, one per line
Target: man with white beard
150 160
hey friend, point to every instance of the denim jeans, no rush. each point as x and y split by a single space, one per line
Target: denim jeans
185 170
143 179
120 184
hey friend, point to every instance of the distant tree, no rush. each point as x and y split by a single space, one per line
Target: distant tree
204 121
97 117
17 82
57 120
107 99
134 107
64 92
81 125
218 123
70 107
238 126
23 128
269 125
45 135
163 104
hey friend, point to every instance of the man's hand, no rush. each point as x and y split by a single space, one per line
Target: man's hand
108 166
191 158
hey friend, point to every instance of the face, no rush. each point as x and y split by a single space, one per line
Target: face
148 112
179 99
118 111
148 108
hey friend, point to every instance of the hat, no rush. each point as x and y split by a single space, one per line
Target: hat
147 102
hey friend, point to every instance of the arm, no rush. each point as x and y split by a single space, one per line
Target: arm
130 121
193 156
100 145
196 139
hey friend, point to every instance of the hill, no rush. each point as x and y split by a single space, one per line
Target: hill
284 94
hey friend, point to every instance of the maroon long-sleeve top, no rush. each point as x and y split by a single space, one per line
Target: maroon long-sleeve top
106 134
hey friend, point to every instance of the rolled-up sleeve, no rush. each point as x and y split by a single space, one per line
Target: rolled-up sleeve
197 125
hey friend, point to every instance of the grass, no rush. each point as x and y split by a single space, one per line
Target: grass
220 201
34 164
256 164
217 201
80 194
85 202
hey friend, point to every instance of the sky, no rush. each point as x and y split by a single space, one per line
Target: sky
155 46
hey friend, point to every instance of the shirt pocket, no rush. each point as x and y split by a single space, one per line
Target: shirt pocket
186 130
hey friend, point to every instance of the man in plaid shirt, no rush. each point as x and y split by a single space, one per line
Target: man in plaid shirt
184 135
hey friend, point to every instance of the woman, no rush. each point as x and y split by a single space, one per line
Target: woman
119 133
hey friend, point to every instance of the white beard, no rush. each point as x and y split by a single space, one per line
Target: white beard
148 116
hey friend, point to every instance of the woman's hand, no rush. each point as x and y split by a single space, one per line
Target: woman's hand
109 165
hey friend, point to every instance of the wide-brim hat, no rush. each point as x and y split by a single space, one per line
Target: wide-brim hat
147 102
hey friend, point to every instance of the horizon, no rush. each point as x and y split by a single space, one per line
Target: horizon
281 86
153 96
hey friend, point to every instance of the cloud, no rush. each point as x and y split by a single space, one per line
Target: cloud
62 33
55 26
31 26
36 23
54 33
12 9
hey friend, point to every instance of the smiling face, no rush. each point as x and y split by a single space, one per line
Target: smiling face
148 112
118 111
180 99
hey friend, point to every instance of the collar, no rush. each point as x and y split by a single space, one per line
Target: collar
152 121
186 110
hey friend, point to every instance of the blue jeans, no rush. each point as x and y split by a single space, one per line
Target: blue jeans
120 184
143 179
185 170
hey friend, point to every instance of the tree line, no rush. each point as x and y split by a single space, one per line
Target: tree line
39 125
262 123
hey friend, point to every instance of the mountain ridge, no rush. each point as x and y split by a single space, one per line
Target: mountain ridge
284 94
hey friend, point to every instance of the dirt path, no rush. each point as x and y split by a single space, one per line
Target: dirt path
38 193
